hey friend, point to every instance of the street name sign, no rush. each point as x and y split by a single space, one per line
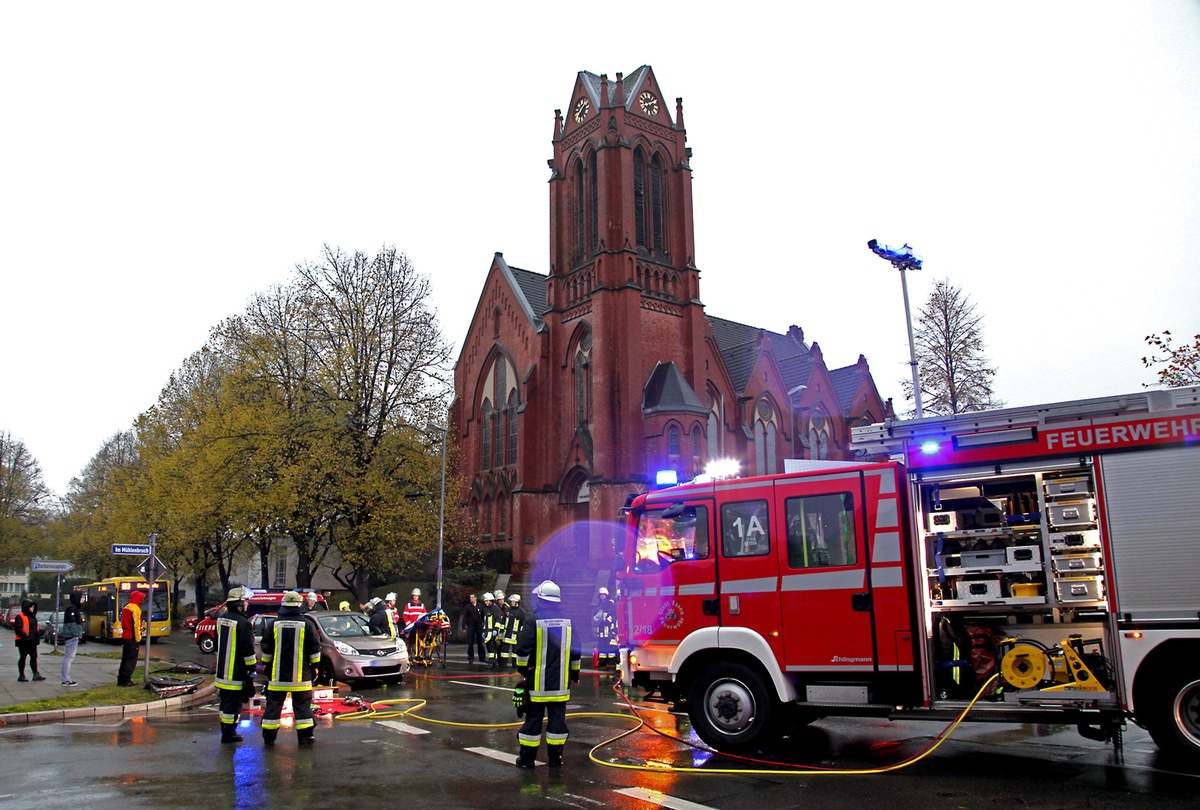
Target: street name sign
133 550
52 566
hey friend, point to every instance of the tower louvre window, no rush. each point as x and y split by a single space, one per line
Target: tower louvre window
639 195
594 198
656 201
578 235
485 457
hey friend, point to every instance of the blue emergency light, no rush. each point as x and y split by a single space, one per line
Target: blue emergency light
666 478
929 448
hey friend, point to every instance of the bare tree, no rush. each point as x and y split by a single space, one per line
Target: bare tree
955 375
24 501
1182 362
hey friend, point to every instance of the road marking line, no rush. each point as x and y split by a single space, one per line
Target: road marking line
404 727
484 686
661 799
506 757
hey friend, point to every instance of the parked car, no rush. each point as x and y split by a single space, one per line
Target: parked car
348 650
191 621
10 616
261 602
51 624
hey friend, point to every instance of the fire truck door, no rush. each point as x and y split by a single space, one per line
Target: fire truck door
669 589
748 564
824 582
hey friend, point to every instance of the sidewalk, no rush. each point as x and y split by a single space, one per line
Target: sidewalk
87 671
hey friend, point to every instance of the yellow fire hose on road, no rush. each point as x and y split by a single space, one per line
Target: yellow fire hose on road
373 712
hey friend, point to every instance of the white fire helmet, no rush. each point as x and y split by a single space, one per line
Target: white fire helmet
604 591
548 592
515 598
391 597
487 597
416 592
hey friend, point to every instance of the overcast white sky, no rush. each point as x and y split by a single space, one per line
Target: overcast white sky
162 162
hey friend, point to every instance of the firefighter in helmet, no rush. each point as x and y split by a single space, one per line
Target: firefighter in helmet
604 627
548 658
512 626
290 653
235 662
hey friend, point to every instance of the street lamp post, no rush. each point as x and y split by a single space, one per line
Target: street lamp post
904 259
445 430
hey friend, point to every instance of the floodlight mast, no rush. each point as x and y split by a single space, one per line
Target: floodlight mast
904 259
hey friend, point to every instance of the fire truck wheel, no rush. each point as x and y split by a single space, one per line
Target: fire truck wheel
730 706
1173 719
207 644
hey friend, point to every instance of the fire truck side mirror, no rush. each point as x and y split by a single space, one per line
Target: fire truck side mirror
679 510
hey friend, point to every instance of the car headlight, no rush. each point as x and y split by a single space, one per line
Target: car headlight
401 647
344 649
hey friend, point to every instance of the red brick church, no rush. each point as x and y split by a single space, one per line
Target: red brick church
573 389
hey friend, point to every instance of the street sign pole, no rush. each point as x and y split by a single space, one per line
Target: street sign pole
151 575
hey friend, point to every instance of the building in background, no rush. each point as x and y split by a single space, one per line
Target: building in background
575 388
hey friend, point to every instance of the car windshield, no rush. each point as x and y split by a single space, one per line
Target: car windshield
345 624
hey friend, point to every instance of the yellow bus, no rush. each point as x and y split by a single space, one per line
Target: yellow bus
101 603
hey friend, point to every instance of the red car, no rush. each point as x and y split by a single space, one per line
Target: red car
10 615
261 602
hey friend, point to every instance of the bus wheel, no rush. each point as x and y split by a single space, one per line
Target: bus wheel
1173 716
207 644
730 707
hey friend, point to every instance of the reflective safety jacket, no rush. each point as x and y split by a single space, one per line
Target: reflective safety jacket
604 622
512 626
235 649
548 655
290 651
381 623
493 622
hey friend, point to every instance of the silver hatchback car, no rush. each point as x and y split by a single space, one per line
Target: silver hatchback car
348 650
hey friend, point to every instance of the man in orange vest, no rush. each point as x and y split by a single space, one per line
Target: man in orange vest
27 636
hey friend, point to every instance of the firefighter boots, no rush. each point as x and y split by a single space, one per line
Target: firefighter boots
554 752
269 738
304 736
527 758
229 733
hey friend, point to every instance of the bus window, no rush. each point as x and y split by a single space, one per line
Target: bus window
666 536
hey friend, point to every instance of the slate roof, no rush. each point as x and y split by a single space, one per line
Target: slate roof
630 85
738 345
667 390
845 385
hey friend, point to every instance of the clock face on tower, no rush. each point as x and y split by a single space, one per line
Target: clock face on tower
581 110
649 103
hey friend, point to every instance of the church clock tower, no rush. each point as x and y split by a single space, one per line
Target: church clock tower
623 296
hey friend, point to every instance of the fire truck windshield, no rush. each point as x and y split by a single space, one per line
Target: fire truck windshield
663 540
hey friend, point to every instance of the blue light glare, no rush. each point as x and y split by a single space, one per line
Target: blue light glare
666 478
929 448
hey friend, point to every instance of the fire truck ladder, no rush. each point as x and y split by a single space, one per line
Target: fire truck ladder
1010 425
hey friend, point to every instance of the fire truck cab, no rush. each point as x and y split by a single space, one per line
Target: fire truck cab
1053 547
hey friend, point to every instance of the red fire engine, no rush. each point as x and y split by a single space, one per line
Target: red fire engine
1054 546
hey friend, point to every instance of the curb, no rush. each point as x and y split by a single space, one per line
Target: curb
201 695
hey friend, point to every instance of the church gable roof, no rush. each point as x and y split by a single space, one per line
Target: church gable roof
631 86
845 384
529 287
668 391
738 345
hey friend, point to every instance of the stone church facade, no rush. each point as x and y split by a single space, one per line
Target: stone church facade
574 388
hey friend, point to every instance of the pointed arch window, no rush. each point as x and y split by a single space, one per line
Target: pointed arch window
765 439
512 427
578 209
673 442
714 424
818 434
593 204
485 456
583 380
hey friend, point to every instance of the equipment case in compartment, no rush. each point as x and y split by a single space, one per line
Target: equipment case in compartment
1079 589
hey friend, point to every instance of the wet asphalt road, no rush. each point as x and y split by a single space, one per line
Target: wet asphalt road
404 761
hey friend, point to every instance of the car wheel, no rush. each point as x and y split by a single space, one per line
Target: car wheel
730 706
207 644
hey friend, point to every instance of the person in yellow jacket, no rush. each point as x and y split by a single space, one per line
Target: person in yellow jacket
235 662
290 654
548 657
